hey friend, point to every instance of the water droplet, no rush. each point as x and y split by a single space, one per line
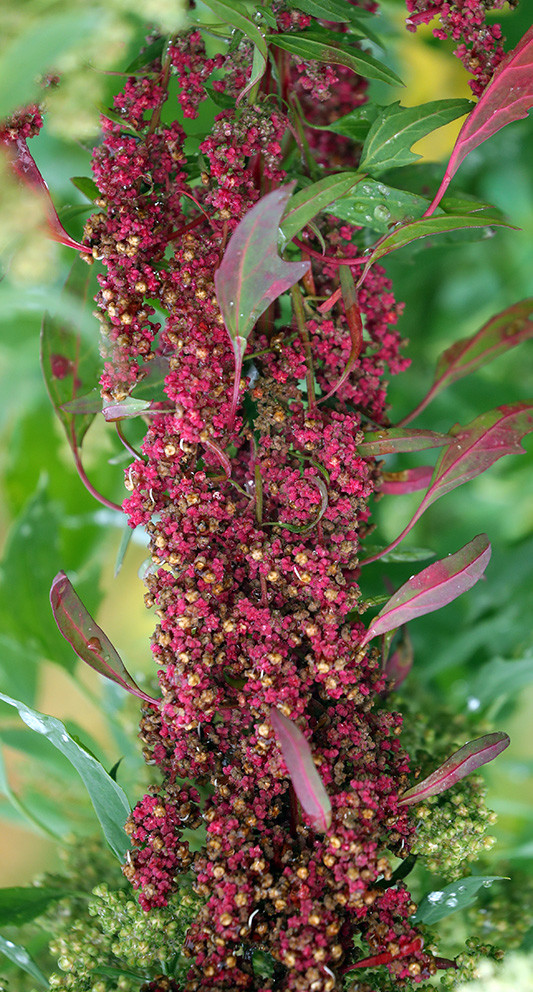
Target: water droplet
451 902
9 943
33 722
487 884
65 738
366 190
381 212
473 703
435 896
461 888
382 189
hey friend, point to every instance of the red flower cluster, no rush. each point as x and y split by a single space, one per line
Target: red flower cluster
480 48
255 531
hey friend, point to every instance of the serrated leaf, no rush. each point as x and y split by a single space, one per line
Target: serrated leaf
433 587
20 956
396 128
302 770
108 799
310 45
461 763
19 905
252 275
69 363
309 202
396 440
504 331
508 97
354 125
87 638
458 895
410 480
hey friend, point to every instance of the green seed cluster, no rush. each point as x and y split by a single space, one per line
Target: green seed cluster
117 946
469 963
452 829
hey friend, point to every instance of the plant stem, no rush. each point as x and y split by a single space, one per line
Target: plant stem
299 313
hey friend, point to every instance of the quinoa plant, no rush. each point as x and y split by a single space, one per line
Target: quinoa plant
248 330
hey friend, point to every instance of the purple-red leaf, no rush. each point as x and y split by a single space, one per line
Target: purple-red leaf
474 449
399 439
400 662
433 587
252 275
507 98
305 779
408 481
506 330
25 168
461 763
130 407
87 638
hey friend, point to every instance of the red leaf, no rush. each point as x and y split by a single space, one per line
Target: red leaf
252 275
399 439
433 587
408 481
506 330
461 763
24 166
87 638
474 449
507 98
305 779
399 663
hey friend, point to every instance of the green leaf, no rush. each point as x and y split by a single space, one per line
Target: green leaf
127 535
36 48
458 895
86 186
431 226
378 207
309 202
19 956
231 13
108 799
499 679
70 364
151 53
20 905
397 128
31 554
354 125
337 11
311 45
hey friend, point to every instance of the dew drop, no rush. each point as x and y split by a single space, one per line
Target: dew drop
451 901
461 888
34 723
435 896
381 212
473 703
94 644
487 884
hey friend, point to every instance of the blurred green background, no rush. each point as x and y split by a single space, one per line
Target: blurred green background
476 655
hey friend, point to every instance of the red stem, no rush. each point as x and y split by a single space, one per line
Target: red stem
327 258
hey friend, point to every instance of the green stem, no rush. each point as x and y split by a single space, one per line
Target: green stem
299 313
